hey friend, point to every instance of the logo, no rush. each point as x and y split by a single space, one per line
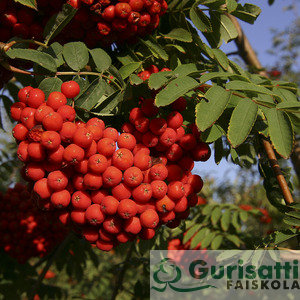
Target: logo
224 275
168 274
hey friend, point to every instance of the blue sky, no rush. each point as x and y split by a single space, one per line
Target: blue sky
261 39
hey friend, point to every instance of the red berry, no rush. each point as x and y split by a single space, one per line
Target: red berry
35 98
50 140
53 121
94 215
70 89
127 208
149 218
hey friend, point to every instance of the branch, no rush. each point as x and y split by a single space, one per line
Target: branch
122 273
249 56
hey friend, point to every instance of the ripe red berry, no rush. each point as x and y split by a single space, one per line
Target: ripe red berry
149 218
98 196
81 200
23 94
121 191
57 180
36 151
73 154
176 190
133 225
122 159
111 133
106 146
67 112
35 98
136 5
126 140
27 117
158 172
168 138
201 152
97 163
67 132
20 132
122 10
112 225
53 121
142 161
94 215
70 89
142 193
188 142
42 189
158 126
127 209
42 111
179 104
108 13
61 199
112 176
16 110
82 137
104 246
34 171
159 189
133 176
50 140
92 181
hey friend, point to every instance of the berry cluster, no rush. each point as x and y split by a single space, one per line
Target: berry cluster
18 20
96 21
25 232
113 186
119 20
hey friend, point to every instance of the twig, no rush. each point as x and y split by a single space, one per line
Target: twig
277 171
122 273
48 265
249 56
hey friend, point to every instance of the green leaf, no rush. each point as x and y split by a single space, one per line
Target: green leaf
55 50
200 19
91 95
231 5
241 122
156 49
28 3
289 106
281 132
247 86
207 209
198 237
227 29
101 59
49 85
207 113
216 243
57 23
191 232
175 89
235 220
234 239
157 80
281 237
179 34
135 80
225 220
216 215
128 69
291 221
294 214
185 69
212 133
221 58
43 59
248 12
207 240
76 55
243 215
